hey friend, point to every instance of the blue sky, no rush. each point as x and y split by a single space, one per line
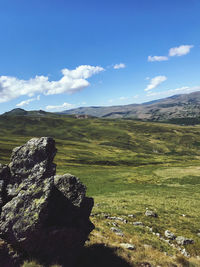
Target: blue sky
60 54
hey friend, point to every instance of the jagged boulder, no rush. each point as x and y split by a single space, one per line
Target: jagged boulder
34 160
42 215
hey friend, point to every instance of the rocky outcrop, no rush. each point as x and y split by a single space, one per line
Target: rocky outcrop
42 215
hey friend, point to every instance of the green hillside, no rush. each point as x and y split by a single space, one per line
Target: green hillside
127 166
106 141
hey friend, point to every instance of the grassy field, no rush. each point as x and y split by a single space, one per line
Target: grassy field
128 166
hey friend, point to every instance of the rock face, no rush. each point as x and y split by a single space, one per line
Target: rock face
42 215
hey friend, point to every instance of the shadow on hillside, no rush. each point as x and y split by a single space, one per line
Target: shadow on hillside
93 256
100 256
97 255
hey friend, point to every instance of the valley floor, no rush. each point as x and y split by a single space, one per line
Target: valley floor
125 183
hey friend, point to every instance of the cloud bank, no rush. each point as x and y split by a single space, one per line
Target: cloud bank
155 82
71 82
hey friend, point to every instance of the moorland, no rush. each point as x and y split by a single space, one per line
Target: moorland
128 167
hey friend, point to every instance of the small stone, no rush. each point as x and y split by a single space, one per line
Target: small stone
117 231
137 223
120 234
127 246
117 219
131 216
151 213
185 253
184 241
198 234
170 235
144 264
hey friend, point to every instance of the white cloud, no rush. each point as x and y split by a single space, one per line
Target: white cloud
180 50
28 101
60 107
155 82
127 99
25 102
123 98
71 82
157 58
119 66
181 90
174 51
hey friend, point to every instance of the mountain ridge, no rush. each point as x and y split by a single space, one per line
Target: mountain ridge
173 107
177 108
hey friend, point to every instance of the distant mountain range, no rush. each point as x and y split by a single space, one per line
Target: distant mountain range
174 107
177 108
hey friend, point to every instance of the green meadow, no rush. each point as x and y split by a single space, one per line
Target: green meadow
128 166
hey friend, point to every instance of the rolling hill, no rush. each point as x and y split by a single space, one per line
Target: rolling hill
127 166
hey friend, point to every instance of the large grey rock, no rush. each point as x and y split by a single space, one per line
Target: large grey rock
43 215
138 224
